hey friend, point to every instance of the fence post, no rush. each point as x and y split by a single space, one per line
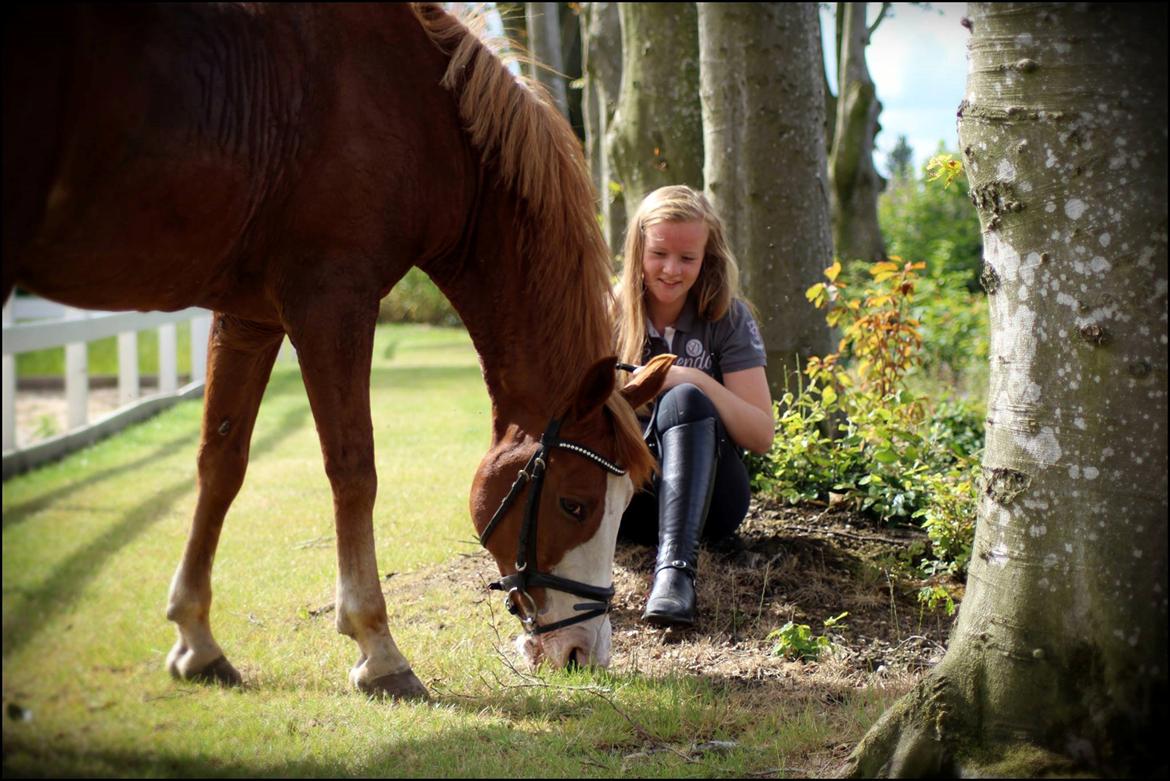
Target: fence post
128 386
9 386
76 377
168 361
200 328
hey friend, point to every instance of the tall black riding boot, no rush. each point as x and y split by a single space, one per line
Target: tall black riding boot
684 493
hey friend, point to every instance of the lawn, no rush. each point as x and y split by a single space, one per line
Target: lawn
90 544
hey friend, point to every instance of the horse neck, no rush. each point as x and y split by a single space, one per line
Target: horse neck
532 356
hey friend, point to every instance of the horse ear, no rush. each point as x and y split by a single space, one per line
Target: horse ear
645 385
596 386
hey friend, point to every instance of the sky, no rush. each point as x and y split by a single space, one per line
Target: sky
918 62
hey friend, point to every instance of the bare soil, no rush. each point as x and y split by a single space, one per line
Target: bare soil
802 564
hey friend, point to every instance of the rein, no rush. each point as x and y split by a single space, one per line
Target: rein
515 587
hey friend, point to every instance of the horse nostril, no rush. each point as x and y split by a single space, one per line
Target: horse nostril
573 663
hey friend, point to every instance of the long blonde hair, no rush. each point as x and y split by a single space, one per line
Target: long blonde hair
714 290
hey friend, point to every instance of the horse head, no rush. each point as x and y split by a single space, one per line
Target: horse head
547 505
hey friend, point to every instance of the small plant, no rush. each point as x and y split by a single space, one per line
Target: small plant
796 641
943 166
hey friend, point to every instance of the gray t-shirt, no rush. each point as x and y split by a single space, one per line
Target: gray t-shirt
730 344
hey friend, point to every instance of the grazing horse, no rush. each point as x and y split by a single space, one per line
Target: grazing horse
283 166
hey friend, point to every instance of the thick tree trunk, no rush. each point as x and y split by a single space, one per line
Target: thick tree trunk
601 45
544 40
855 182
1058 661
656 137
765 166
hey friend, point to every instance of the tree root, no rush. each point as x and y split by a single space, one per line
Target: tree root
935 730
909 740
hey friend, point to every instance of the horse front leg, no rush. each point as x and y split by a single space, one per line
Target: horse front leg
239 362
335 354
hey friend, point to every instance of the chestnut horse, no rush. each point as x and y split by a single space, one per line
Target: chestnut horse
283 166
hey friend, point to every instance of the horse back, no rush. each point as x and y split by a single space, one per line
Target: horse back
157 157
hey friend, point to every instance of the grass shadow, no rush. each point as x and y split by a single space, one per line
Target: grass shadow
64 585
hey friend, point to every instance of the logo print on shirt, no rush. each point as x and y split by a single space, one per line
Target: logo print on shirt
754 331
694 348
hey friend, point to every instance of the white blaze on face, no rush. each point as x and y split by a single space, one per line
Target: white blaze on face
590 563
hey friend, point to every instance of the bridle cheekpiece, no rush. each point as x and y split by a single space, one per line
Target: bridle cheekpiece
528 575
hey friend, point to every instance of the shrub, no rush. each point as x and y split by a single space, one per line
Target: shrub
893 453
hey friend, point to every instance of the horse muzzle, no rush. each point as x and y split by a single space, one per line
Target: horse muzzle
586 644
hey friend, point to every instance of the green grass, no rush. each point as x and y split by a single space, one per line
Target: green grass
90 544
102 356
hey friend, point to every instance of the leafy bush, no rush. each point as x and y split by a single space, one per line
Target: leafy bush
416 299
892 453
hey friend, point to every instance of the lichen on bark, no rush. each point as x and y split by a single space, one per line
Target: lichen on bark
1058 661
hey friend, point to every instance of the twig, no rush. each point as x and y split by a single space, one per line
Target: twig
316 542
764 589
531 681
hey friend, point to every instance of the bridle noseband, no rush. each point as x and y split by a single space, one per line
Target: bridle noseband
516 586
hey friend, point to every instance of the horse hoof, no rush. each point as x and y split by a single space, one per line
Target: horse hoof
219 671
398 686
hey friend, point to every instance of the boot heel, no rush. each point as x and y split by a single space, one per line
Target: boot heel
672 599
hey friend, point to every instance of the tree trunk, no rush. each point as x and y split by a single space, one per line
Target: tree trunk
656 137
544 40
765 166
855 182
1058 661
602 74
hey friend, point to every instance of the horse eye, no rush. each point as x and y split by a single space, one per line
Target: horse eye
573 509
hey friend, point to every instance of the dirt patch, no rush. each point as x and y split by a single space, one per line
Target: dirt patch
803 564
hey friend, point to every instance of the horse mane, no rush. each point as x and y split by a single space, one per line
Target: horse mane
514 125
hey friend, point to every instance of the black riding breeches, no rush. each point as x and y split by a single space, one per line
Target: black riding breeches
731 492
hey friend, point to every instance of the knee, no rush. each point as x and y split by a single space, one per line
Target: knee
353 474
681 404
221 468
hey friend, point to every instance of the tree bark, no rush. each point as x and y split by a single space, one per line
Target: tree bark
656 137
856 183
544 40
1058 661
602 74
765 166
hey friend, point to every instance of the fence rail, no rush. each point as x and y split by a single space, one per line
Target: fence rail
54 325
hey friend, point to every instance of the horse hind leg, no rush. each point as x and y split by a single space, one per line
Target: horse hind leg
239 361
335 354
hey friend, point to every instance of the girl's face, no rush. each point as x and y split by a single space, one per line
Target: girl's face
672 259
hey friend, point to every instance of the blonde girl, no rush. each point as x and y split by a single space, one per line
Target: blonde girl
679 294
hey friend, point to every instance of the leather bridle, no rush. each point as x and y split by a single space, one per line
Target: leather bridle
528 575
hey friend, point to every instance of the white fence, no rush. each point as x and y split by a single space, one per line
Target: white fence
54 325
